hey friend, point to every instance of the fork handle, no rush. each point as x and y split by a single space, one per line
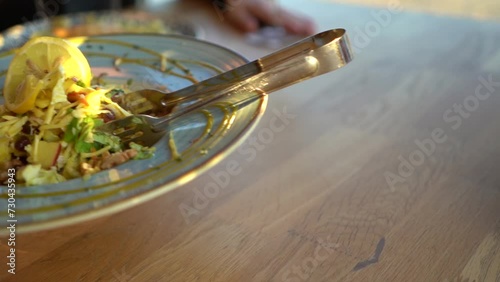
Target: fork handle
310 57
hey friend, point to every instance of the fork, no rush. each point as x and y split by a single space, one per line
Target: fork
315 55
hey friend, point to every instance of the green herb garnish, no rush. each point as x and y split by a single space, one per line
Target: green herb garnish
142 152
81 84
114 92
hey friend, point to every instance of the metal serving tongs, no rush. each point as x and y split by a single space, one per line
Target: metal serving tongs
319 54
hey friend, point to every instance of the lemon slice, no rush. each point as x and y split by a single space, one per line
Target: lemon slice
35 61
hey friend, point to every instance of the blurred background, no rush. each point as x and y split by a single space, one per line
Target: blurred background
483 9
21 11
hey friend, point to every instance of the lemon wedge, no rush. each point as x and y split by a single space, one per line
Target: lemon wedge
33 65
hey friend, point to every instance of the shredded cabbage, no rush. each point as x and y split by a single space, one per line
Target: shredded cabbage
61 132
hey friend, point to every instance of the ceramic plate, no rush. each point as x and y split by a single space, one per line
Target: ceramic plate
202 139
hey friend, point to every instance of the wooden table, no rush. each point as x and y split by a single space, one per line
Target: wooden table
485 9
386 170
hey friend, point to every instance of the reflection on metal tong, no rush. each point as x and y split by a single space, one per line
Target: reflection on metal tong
313 56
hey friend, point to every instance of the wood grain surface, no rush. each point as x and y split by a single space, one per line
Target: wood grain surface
485 9
386 170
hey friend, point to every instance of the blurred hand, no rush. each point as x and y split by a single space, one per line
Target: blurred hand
247 15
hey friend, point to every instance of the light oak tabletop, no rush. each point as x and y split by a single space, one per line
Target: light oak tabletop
385 170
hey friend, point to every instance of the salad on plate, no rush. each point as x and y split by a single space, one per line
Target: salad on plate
49 122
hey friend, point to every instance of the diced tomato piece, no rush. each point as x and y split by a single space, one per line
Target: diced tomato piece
77 96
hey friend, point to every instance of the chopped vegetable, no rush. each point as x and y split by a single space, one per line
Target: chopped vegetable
142 151
81 83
